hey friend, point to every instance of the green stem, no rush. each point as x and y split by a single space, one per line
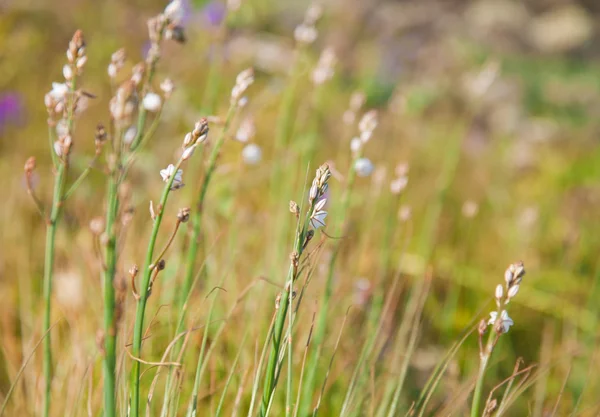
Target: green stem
110 331
321 326
284 304
48 274
143 289
483 362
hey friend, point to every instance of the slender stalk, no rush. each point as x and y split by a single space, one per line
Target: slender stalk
110 331
284 303
322 319
483 362
141 306
59 183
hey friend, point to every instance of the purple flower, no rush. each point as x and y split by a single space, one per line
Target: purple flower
214 13
11 109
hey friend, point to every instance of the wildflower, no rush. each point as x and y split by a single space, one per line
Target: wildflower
214 13
59 91
504 323
167 87
152 102
324 69
174 12
252 154
318 217
11 109
168 172
363 167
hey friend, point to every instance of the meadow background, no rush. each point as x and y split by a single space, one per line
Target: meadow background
487 113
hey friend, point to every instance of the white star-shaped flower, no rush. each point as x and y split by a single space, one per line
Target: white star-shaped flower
166 175
318 217
505 322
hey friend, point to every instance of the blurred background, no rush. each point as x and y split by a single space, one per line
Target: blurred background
515 83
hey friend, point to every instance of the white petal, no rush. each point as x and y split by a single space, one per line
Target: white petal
321 203
152 102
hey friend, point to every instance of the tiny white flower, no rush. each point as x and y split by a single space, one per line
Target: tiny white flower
363 167
355 145
505 320
59 91
318 219
174 12
167 87
129 135
152 102
252 154
166 175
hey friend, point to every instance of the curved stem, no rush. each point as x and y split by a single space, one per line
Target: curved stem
141 306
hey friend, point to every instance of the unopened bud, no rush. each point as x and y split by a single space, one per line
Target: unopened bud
30 165
183 215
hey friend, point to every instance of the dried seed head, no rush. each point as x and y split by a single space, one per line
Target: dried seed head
161 265
294 208
176 33
183 215
490 407
100 134
30 165
481 328
133 271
